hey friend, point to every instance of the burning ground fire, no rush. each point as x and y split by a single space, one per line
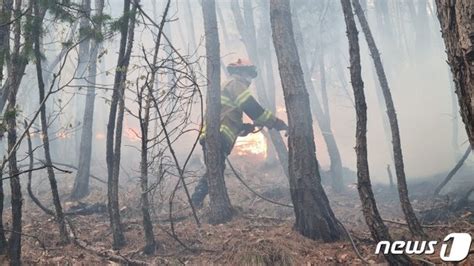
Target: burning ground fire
252 144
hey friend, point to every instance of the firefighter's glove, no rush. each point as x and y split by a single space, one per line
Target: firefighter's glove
280 125
246 129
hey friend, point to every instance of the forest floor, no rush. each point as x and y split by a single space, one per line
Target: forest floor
260 232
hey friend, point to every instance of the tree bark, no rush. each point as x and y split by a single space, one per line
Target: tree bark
413 223
369 207
115 123
81 182
221 209
314 216
39 14
4 50
83 63
147 224
16 69
14 242
457 28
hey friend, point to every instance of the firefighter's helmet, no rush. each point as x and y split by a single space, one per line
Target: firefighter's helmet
242 67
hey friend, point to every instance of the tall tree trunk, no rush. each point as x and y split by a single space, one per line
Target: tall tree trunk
151 244
457 28
16 69
81 182
39 14
369 207
322 76
5 17
14 242
247 31
83 63
453 171
115 123
336 163
314 216
323 120
147 224
413 223
222 22
221 209
265 50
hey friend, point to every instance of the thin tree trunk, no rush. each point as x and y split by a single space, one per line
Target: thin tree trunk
16 68
265 53
457 28
81 182
221 209
314 216
147 224
190 25
322 75
14 242
342 77
4 50
413 223
83 63
222 22
369 207
225 35
115 123
336 163
323 120
44 125
151 244
453 171
84 45
390 177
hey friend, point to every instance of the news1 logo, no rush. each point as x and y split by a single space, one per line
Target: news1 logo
458 251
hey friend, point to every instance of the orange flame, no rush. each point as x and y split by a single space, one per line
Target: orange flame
252 144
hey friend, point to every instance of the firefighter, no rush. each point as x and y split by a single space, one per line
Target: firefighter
236 99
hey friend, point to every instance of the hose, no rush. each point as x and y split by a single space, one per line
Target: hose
356 250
